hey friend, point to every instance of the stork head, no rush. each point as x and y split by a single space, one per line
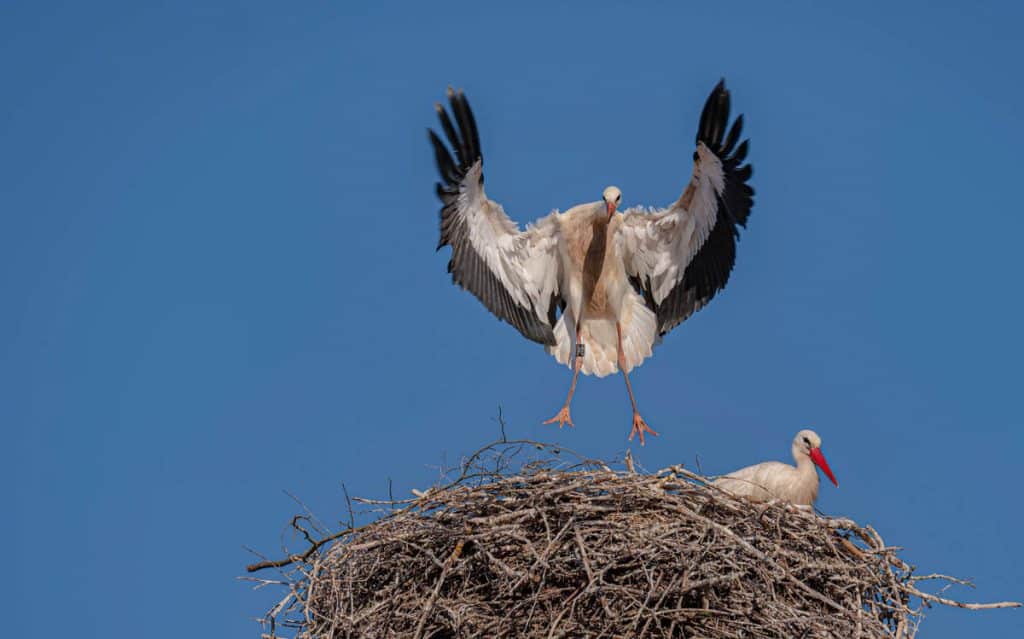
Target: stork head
808 444
612 197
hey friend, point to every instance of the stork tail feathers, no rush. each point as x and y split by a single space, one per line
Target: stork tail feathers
601 358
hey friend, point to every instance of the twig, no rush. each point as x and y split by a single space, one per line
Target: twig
961 604
501 424
304 556
348 502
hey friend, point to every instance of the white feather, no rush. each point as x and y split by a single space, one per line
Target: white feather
639 336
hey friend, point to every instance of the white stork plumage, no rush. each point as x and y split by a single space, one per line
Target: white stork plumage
598 288
775 480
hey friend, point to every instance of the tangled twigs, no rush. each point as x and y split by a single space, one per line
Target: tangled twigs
526 539
437 587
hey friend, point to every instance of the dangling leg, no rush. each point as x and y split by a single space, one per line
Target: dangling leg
639 425
563 415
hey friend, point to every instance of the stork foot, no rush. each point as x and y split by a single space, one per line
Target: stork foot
639 428
562 418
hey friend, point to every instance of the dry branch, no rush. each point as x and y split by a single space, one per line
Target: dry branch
560 546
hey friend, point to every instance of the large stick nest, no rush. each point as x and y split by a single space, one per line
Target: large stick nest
575 549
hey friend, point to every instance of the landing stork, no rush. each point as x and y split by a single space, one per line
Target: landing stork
599 288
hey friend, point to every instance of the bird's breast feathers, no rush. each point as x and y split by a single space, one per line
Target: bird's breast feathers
594 277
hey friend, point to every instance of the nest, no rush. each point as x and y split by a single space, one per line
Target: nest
572 548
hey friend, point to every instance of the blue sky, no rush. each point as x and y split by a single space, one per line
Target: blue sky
218 275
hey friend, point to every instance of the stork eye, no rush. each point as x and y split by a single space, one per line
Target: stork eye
807 441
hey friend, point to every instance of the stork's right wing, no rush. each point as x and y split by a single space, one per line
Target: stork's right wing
514 274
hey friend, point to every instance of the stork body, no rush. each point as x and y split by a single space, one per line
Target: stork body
775 480
605 324
598 288
598 294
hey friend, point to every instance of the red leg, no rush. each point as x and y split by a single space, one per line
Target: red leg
639 425
563 415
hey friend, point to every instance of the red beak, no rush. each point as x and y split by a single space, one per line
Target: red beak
611 209
820 462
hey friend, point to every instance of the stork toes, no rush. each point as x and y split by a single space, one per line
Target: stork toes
639 428
562 418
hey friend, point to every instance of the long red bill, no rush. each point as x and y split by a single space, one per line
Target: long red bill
610 207
819 460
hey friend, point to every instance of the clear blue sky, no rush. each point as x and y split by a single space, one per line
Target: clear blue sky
218 278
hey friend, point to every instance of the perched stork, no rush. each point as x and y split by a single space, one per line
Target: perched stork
597 287
775 480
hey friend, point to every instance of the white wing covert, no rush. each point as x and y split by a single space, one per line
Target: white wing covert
680 257
514 274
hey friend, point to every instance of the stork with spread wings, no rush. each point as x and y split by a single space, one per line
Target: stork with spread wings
597 287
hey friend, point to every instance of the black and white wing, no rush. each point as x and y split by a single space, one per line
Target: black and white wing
679 257
515 274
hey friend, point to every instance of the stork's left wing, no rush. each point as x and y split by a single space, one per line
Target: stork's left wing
679 257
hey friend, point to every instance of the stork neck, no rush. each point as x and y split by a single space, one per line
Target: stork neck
598 238
593 260
803 461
